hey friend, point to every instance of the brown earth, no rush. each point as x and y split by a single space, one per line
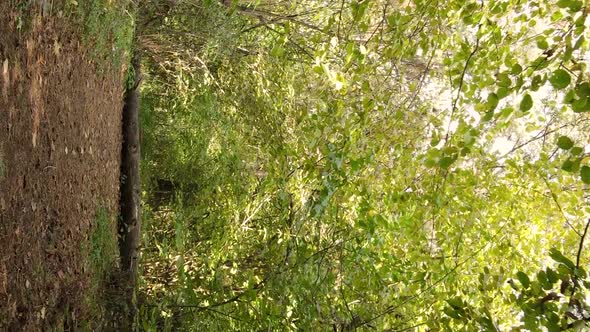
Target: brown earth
60 145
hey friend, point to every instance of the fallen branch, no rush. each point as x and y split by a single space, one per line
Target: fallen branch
130 202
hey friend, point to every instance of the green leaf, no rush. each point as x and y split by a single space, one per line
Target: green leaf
583 90
581 105
516 69
540 63
569 97
552 322
563 271
559 257
530 322
542 43
576 151
502 92
430 162
565 143
504 80
536 82
277 51
568 165
560 79
487 324
492 101
585 174
506 112
543 280
571 165
581 273
526 103
524 279
573 5
446 162
456 303
451 313
552 276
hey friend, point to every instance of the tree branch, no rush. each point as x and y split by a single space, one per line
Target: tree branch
580 247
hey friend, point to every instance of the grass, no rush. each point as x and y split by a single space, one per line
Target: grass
107 30
101 299
108 27
103 243
23 20
2 168
102 254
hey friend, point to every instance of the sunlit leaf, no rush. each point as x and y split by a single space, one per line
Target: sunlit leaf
560 79
524 279
565 143
526 103
560 258
585 174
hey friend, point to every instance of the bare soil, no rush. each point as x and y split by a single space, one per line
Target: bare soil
60 149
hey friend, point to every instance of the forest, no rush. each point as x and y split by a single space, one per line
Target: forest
372 165
294 165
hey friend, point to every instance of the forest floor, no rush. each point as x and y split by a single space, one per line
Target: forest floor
60 150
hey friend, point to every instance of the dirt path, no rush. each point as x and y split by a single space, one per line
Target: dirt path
60 143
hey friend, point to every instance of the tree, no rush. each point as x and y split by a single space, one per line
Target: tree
347 166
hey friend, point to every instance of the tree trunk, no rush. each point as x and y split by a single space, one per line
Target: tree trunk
130 222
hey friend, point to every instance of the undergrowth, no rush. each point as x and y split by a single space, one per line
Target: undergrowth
102 264
108 28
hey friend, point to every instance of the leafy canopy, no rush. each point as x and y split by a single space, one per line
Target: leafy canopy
373 165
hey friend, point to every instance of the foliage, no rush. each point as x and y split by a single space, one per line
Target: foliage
101 263
544 304
555 299
340 166
108 27
103 251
